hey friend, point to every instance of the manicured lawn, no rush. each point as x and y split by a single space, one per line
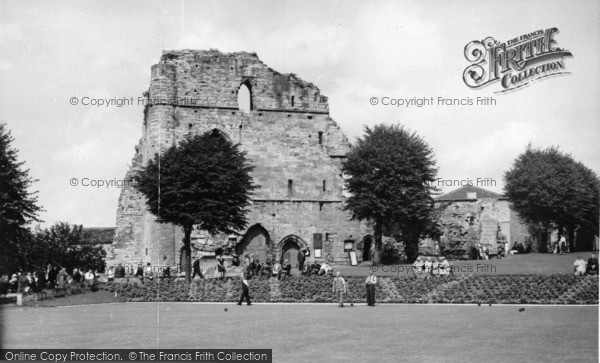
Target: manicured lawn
318 333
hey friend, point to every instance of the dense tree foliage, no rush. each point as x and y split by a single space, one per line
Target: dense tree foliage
390 174
60 245
18 205
203 181
550 190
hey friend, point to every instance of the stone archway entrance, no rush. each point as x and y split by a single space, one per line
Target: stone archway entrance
288 249
256 241
367 245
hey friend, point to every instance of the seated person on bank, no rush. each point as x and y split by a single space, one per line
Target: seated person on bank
248 271
418 267
235 261
435 267
287 268
592 265
444 266
307 269
325 269
259 267
252 267
119 272
427 267
276 268
267 269
579 267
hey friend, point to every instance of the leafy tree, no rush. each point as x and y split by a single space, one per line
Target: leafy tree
18 206
390 174
60 245
549 189
204 181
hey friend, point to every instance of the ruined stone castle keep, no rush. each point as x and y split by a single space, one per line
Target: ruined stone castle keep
284 125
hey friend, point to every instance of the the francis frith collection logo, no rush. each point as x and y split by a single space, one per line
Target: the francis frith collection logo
516 62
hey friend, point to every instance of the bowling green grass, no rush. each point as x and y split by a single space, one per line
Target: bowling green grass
318 332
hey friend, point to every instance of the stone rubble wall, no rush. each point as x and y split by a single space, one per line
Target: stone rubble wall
479 221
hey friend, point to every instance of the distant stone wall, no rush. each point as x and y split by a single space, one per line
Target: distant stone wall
296 148
477 221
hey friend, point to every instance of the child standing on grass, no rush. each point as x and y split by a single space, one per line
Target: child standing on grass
339 289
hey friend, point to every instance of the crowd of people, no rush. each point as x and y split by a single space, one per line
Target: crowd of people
483 252
142 273
431 267
53 277
270 268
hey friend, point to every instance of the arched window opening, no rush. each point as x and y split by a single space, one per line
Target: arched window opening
218 133
244 98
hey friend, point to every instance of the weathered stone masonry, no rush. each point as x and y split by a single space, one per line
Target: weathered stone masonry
296 148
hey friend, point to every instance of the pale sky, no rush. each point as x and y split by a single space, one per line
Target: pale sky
352 50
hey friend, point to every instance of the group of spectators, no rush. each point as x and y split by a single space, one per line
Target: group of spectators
272 268
431 267
559 247
253 267
142 273
483 252
53 277
582 268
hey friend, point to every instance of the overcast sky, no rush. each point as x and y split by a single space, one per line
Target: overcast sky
352 50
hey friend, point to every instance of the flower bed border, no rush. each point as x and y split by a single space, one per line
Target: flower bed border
556 289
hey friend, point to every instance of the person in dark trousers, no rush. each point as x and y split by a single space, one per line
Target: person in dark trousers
76 276
167 272
196 269
4 285
371 282
235 261
301 259
287 269
245 291
52 273
592 265
41 280
221 265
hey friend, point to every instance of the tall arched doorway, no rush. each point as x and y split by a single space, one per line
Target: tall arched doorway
256 241
288 249
367 245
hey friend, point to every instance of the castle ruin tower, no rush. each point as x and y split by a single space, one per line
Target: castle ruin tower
283 124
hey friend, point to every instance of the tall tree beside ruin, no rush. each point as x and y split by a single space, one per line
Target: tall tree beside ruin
203 181
549 188
62 245
390 174
18 205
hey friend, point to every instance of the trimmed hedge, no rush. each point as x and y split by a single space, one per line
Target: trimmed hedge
534 289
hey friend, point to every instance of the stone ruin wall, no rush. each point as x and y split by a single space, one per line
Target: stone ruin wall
288 135
478 221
